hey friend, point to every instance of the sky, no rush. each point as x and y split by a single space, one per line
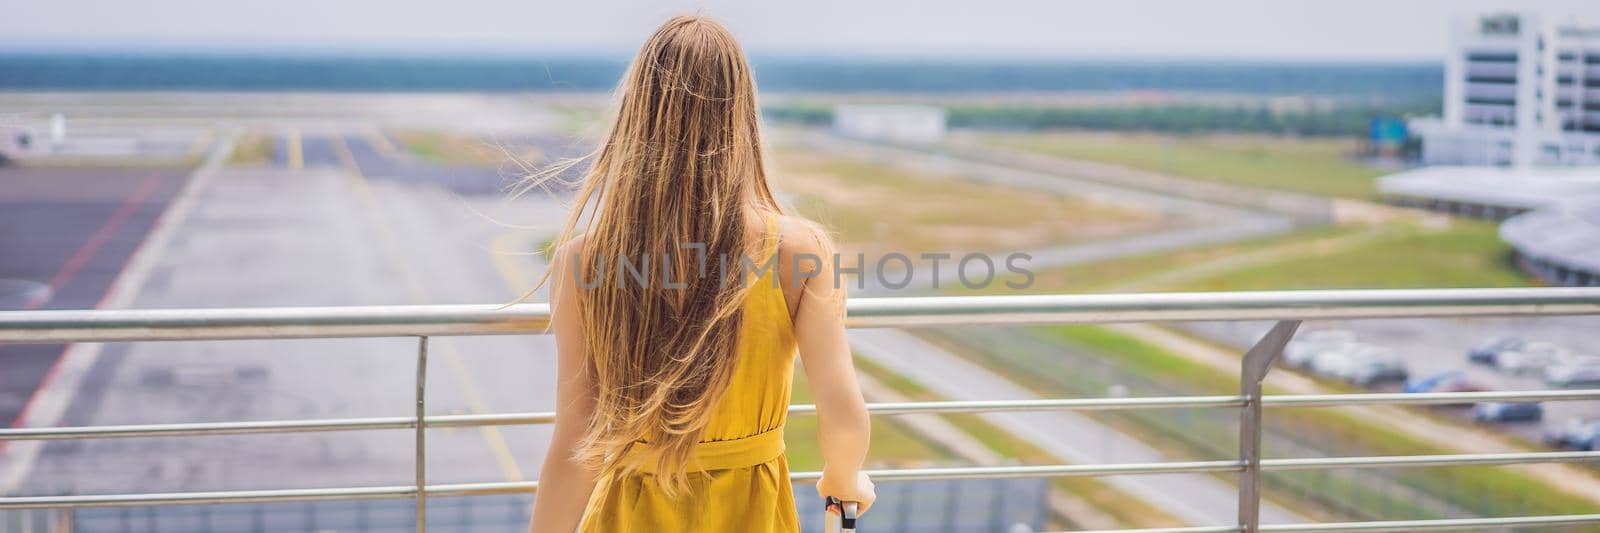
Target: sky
1389 30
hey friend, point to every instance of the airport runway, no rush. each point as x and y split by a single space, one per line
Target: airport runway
65 234
328 234
344 222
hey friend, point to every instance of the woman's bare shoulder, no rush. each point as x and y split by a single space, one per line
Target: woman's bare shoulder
563 255
798 235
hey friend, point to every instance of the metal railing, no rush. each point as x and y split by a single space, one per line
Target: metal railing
423 322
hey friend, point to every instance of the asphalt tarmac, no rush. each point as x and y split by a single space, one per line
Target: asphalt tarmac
65 235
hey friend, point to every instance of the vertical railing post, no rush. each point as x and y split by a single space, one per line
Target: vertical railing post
422 434
1253 370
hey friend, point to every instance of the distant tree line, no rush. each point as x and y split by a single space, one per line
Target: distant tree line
809 115
1179 118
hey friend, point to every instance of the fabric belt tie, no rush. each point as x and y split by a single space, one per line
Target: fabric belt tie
719 454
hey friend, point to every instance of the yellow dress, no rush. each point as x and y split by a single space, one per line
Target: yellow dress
745 483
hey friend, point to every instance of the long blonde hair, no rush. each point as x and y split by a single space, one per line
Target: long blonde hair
681 164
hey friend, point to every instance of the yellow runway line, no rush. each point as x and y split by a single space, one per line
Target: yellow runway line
381 142
492 435
504 251
296 156
201 141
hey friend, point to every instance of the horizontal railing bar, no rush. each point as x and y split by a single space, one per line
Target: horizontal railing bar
1454 524
510 419
1222 306
1450 524
510 487
1069 404
1427 398
1014 472
492 488
908 474
894 408
198 429
1199 529
57 326
198 498
271 426
1479 459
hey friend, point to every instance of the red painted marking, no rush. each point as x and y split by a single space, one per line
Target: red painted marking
82 256
100 236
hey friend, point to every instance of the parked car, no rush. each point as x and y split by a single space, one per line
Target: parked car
1374 364
1304 348
1359 363
1507 411
1488 352
1449 381
1530 357
1333 363
1586 439
1573 433
1572 373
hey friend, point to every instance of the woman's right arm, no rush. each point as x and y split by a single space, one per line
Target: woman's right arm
565 485
843 427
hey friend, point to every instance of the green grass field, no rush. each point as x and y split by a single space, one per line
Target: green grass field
456 148
1466 254
892 444
1128 511
1480 489
252 149
876 208
1399 255
1314 166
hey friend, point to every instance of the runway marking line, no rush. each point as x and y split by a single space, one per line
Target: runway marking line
515 274
124 289
70 268
98 239
295 157
492 435
201 142
380 141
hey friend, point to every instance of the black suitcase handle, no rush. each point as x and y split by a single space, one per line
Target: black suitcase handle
846 522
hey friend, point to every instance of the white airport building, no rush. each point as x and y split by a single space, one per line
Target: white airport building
1520 91
894 123
1519 141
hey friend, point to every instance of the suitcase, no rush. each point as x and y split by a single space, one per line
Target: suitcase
843 521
